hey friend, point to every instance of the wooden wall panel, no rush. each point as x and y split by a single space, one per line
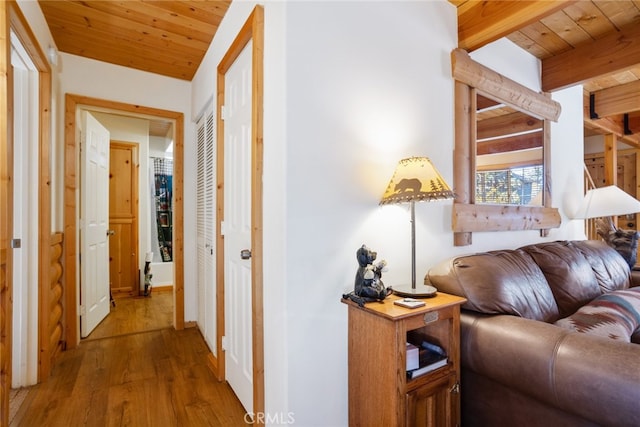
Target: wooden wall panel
6 214
120 180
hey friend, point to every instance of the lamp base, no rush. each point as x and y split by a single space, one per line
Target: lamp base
420 291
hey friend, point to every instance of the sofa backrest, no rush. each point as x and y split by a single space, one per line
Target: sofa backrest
610 268
498 282
579 271
545 281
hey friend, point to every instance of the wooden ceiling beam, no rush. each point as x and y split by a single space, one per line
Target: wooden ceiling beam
611 125
510 143
481 22
617 99
634 122
507 124
613 53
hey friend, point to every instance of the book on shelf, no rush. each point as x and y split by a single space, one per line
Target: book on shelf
413 357
430 357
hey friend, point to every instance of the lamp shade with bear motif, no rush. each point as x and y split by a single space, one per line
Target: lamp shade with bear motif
416 179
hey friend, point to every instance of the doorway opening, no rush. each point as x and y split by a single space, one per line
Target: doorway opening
140 225
74 104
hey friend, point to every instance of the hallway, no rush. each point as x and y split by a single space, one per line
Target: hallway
150 378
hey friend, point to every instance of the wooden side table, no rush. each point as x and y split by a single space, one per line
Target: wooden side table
380 391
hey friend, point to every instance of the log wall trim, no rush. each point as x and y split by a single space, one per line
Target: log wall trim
55 307
501 88
472 78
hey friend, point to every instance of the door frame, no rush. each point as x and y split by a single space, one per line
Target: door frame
72 103
253 29
11 18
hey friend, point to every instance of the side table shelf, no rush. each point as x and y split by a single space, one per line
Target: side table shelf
380 391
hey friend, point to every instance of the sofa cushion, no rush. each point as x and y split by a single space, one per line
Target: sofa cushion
615 315
609 267
568 272
498 282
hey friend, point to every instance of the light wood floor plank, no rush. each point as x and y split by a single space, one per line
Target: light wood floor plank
153 378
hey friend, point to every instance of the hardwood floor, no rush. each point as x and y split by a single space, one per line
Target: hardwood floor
152 378
137 314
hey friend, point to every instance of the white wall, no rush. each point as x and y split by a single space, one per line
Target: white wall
344 101
367 85
595 144
158 146
567 163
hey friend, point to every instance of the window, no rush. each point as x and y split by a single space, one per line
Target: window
511 186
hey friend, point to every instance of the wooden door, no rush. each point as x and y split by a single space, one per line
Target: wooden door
237 229
123 218
433 405
94 215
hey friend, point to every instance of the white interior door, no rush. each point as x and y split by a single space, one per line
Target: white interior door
25 217
94 220
237 228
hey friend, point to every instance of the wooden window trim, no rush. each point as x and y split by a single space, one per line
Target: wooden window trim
468 217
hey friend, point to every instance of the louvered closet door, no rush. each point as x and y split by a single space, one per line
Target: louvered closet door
205 228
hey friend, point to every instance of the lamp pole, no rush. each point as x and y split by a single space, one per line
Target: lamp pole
413 245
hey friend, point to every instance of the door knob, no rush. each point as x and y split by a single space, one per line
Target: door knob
111 232
245 254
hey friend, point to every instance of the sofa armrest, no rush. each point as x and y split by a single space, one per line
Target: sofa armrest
593 377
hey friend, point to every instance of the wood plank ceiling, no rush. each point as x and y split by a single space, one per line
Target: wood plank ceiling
163 37
593 43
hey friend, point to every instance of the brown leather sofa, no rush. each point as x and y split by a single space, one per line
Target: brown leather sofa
520 369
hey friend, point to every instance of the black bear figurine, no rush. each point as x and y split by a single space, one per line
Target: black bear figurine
368 282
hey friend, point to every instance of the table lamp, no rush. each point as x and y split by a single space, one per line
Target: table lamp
607 201
415 179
